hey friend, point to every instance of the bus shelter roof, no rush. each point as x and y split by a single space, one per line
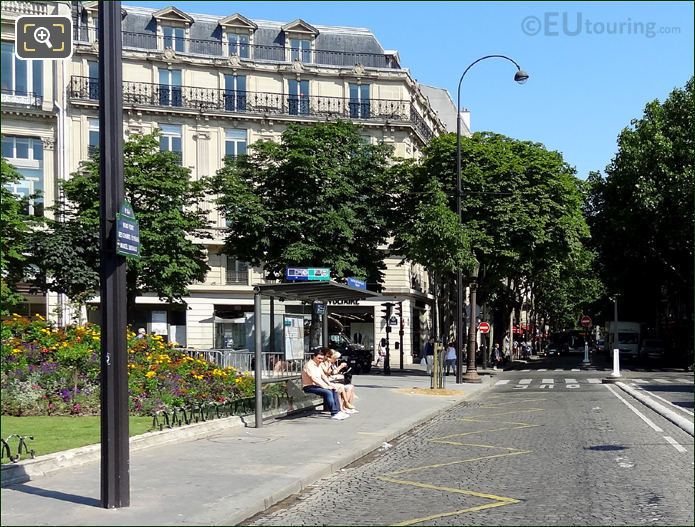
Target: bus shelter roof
325 291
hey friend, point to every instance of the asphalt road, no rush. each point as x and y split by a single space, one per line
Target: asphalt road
548 444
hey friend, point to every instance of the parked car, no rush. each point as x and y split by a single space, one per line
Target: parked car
652 350
357 356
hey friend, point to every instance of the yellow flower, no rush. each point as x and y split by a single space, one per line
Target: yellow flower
150 374
16 350
39 317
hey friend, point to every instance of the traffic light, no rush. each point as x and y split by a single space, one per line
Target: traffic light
386 311
399 309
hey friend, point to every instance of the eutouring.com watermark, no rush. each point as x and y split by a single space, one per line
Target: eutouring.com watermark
568 24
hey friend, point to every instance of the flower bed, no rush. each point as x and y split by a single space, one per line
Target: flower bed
47 370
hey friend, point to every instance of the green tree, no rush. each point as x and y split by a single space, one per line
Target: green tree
641 214
522 210
15 227
166 202
319 197
431 235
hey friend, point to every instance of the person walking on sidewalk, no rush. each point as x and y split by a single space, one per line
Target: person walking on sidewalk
450 359
429 355
496 356
315 381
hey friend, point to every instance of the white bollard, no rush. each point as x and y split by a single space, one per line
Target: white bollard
616 363
586 361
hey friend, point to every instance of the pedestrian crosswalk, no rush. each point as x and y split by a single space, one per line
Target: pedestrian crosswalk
627 370
549 383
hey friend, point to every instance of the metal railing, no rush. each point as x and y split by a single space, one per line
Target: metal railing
142 94
24 8
21 98
253 52
274 365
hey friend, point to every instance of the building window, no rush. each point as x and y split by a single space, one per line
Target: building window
298 97
237 272
238 45
93 146
359 101
170 88
234 143
93 80
235 93
174 38
26 155
300 49
22 80
170 140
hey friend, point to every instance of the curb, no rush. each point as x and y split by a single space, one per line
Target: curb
26 470
659 408
239 517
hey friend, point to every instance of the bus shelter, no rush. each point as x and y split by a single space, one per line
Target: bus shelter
310 292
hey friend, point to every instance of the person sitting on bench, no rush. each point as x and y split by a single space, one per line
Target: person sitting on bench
315 381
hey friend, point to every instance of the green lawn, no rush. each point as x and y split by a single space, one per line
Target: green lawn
53 434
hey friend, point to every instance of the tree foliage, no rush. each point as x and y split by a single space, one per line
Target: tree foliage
522 211
641 212
15 226
317 198
166 202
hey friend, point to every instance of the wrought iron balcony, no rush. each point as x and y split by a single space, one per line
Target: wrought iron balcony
21 98
251 52
212 100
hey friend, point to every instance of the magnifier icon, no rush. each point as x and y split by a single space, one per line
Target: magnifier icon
42 35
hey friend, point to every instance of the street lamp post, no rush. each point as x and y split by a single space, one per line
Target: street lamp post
471 374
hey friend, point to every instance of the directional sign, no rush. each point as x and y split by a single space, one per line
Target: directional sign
354 282
586 321
301 274
127 232
394 320
484 327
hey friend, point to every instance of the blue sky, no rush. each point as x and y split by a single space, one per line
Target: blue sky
593 65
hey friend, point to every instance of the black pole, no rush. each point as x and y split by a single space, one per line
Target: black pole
400 335
115 462
387 359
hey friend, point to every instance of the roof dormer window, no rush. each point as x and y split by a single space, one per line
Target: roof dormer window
300 39
173 26
237 35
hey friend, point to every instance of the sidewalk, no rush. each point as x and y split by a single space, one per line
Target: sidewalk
231 474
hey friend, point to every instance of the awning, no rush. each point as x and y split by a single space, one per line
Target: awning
323 291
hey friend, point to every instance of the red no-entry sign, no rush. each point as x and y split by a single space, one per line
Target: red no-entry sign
484 327
586 321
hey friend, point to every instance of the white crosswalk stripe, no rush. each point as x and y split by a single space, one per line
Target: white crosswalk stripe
525 381
640 381
542 369
575 369
570 381
594 381
547 381
683 379
500 383
559 369
525 370
662 381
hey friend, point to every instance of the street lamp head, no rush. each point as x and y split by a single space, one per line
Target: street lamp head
521 76
475 270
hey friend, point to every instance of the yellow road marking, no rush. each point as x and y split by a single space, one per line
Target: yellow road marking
450 463
497 501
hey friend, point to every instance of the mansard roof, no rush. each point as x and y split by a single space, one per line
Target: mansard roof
299 26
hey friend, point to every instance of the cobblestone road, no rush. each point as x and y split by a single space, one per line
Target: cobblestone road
530 456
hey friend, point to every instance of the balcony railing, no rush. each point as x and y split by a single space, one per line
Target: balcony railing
21 98
24 8
142 95
253 52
